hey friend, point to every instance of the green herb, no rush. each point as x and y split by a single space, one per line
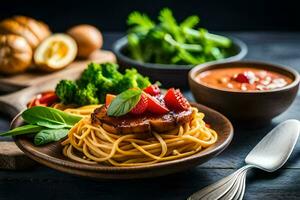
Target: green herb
96 81
170 42
124 102
49 135
49 117
48 124
26 129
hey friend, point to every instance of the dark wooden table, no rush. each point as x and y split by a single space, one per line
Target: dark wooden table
44 183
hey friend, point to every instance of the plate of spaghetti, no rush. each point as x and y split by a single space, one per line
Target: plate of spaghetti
137 133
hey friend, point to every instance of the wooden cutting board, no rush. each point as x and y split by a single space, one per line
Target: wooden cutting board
30 78
28 85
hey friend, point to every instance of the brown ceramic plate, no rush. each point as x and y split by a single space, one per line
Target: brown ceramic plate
51 154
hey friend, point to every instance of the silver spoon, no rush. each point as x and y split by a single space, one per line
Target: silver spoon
269 155
238 192
217 191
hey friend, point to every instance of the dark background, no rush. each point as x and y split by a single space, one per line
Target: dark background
110 15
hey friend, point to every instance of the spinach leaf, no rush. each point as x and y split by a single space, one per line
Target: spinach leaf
23 130
49 135
124 102
49 117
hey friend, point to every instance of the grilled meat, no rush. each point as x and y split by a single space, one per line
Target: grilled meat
145 123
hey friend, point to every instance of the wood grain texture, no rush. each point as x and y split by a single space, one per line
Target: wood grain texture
283 184
30 78
51 154
11 157
281 48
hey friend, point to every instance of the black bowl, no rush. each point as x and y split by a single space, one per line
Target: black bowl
168 74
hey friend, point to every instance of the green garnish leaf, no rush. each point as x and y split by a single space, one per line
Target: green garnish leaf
50 124
124 102
49 135
49 117
26 129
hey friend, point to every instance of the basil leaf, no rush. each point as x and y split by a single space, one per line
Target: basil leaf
124 102
49 117
23 130
50 135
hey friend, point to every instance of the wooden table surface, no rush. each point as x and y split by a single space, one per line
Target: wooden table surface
44 183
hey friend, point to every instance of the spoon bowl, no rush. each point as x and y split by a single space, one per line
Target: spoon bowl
275 148
269 154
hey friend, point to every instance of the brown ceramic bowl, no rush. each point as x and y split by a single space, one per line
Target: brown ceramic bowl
257 107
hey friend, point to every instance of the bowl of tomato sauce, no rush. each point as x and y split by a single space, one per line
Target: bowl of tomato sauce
246 91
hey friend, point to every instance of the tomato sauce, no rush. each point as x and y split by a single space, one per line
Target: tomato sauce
243 79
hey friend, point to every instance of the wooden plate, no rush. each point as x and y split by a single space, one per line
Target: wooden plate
51 154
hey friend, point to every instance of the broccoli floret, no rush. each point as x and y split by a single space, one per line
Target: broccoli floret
65 90
87 95
132 79
142 81
92 74
128 81
110 70
103 76
98 80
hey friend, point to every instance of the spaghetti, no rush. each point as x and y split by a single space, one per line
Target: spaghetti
91 144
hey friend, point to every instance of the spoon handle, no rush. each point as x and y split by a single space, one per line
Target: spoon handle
226 191
229 190
235 192
243 190
211 188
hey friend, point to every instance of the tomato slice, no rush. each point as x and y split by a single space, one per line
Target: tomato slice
141 106
108 99
153 90
48 98
175 100
43 99
155 106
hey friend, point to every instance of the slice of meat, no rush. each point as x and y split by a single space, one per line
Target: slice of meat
145 123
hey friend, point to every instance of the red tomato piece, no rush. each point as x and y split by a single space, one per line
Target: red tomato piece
241 78
43 99
108 99
175 100
156 107
153 90
48 98
141 106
